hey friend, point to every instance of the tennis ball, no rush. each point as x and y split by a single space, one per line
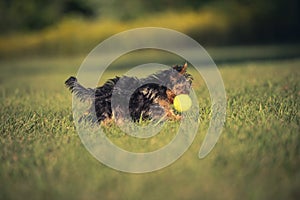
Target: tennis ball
182 102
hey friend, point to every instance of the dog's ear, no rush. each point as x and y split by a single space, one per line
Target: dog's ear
181 68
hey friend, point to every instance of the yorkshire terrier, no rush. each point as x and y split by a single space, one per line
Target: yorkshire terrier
149 98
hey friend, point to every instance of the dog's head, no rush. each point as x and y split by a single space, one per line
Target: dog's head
179 80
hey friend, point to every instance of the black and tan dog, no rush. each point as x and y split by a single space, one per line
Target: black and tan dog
149 98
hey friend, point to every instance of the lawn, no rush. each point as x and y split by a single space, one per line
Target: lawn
256 157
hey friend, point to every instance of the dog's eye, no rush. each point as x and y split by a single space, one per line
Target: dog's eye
178 68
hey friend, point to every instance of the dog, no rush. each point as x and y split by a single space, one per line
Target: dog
149 98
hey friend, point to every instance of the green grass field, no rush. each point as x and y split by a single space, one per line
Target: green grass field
256 157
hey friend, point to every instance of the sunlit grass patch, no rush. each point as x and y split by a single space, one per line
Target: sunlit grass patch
256 157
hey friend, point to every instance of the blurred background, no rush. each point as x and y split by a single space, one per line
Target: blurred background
71 27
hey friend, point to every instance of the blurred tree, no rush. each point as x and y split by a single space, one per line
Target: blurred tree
122 10
250 21
81 7
270 20
37 14
160 5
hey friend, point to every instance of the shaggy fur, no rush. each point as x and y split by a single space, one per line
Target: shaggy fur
149 98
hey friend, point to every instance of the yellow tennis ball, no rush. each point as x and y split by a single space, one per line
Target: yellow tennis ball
182 102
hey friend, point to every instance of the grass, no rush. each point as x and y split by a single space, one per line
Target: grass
256 157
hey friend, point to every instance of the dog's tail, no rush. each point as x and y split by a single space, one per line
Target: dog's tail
81 92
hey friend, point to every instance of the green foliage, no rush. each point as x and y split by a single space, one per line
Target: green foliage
68 36
257 156
210 27
37 14
246 22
